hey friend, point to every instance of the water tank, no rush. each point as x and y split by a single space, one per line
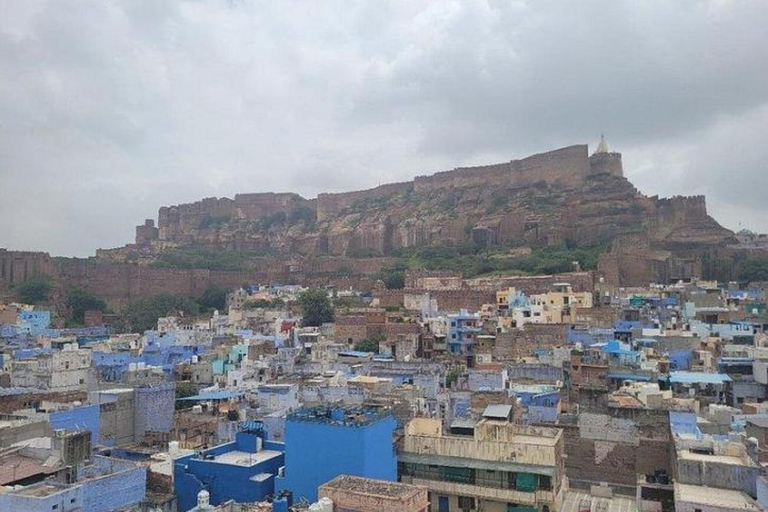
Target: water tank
197 409
132 367
194 359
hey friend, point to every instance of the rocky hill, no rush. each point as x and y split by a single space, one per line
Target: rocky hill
560 198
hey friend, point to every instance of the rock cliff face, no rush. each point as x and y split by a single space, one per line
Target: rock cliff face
563 196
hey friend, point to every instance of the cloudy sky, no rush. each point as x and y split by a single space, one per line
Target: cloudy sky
110 109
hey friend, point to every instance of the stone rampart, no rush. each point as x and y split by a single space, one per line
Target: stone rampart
18 266
330 204
566 166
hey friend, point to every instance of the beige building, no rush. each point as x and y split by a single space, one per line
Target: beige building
560 305
501 467
66 370
369 495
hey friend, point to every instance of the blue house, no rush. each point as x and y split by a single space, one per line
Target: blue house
34 323
78 418
463 329
325 442
243 470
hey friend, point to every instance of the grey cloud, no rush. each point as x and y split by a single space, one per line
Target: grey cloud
110 109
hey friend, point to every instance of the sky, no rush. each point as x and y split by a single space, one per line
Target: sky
111 109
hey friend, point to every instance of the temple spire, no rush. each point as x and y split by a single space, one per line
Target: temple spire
603 146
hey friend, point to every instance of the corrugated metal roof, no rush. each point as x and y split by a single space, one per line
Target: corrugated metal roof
683 377
498 411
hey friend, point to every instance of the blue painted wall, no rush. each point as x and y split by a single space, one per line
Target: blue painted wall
225 481
86 417
317 452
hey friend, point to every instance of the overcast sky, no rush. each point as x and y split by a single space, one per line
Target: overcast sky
109 110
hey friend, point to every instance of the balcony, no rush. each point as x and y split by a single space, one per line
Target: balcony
486 493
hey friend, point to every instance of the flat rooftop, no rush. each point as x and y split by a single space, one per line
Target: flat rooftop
39 491
245 459
720 459
339 415
371 487
721 498
577 501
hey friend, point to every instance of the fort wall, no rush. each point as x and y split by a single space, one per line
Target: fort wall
566 166
331 204
18 266
606 163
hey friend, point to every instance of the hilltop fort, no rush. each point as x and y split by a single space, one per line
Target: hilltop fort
561 198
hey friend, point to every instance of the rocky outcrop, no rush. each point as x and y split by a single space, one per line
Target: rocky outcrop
563 196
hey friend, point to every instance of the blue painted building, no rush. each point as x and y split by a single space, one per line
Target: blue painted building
244 470
463 329
323 443
103 485
78 418
34 323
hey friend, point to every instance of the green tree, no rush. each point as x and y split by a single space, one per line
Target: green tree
142 314
452 377
79 301
214 297
36 289
184 389
316 307
393 276
369 344
754 269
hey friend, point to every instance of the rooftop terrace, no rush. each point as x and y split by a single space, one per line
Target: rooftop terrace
369 486
351 416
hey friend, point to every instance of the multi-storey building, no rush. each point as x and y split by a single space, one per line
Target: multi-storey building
500 467
463 329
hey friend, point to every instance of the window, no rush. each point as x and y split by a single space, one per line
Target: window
466 503
54 507
72 500
545 482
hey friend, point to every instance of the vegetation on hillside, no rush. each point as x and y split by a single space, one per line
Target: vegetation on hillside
471 261
198 257
79 300
754 269
142 314
35 290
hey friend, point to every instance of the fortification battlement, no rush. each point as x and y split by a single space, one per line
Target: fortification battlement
567 167
689 206
330 204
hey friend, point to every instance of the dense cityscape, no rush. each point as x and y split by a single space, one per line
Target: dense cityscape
390 256
388 381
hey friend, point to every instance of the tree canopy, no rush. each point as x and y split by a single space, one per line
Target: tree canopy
316 307
369 344
79 301
142 314
36 289
214 297
754 269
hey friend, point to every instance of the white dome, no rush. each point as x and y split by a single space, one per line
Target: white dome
203 498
